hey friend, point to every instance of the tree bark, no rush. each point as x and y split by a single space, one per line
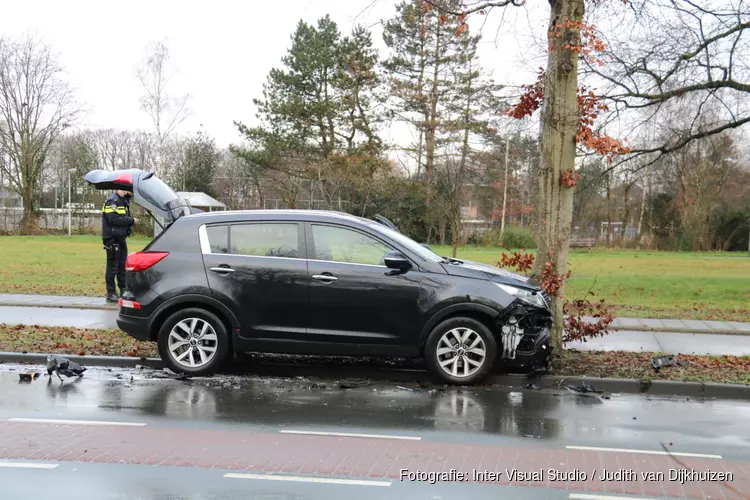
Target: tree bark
505 190
643 206
559 125
430 136
609 209
626 209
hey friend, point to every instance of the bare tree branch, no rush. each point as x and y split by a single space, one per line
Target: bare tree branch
166 112
483 6
36 105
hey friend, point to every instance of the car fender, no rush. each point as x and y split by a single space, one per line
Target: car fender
199 299
451 310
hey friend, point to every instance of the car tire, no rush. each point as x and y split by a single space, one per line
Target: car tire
214 336
474 333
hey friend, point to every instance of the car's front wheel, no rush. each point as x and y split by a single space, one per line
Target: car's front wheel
460 350
193 341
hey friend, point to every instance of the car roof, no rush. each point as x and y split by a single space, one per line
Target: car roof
291 214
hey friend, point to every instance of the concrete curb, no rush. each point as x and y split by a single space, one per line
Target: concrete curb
709 331
105 361
638 327
338 372
100 307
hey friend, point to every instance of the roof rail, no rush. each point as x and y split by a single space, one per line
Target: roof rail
382 220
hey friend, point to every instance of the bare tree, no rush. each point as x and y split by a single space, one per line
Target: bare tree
36 104
679 50
166 112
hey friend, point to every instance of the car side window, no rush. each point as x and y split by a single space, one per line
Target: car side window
265 239
344 245
218 238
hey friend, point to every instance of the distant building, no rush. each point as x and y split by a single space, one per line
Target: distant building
202 201
9 198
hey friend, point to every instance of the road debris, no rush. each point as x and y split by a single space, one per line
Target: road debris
353 384
659 362
582 388
28 376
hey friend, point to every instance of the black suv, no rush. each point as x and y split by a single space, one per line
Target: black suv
317 282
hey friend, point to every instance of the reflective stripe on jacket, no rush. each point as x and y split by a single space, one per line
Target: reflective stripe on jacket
116 219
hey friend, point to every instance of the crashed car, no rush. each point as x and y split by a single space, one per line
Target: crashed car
318 282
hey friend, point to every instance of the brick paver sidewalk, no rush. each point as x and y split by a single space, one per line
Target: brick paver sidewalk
362 457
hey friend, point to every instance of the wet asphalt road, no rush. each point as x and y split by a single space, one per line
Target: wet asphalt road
221 422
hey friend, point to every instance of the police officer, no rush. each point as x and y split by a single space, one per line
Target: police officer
116 227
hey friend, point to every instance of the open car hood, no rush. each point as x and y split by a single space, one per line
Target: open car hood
149 191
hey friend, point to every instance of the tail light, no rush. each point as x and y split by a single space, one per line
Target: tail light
132 304
140 261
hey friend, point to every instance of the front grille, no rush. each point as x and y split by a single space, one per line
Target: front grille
547 299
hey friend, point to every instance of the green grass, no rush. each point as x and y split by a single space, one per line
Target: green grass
641 284
687 285
55 265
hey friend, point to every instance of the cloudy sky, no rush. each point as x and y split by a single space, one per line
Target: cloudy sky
222 50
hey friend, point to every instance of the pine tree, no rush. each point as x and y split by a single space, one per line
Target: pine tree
317 114
199 164
425 46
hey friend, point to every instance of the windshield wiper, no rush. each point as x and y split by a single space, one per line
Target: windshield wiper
450 260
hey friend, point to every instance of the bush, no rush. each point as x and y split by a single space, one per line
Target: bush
514 237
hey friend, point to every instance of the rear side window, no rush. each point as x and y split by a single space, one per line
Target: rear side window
218 238
265 240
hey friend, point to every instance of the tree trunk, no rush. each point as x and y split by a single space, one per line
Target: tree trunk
459 184
626 209
609 209
560 121
505 190
643 208
430 137
29 224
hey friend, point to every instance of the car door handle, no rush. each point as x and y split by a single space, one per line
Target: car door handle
323 277
222 269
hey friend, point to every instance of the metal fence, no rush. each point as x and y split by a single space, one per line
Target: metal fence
53 219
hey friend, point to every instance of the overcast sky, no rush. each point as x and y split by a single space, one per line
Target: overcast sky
222 50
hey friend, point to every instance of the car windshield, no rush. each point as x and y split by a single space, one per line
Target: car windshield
412 245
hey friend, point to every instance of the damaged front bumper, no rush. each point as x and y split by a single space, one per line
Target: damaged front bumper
525 339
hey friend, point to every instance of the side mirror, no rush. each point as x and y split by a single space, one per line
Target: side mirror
397 260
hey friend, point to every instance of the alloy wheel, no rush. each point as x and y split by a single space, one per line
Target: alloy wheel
461 352
192 342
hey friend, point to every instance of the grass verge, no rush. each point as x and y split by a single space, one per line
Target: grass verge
637 365
78 341
629 365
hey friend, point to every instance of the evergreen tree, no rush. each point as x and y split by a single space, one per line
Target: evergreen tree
318 119
199 164
426 47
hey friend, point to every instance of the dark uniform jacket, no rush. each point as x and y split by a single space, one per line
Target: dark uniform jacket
116 219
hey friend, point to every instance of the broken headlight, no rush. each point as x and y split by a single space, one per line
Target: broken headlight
532 298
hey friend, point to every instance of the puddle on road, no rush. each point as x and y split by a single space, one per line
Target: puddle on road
308 402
